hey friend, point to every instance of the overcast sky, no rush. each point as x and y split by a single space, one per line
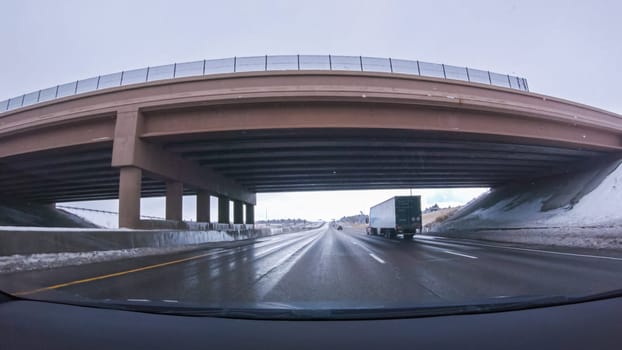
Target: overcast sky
565 49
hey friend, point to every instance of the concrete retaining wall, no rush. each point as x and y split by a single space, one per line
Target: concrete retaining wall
34 240
37 241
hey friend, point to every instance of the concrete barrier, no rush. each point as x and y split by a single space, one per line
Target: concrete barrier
35 241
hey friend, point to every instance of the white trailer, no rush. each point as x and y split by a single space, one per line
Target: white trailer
397 215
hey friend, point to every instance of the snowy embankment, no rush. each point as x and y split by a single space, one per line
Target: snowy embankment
581 210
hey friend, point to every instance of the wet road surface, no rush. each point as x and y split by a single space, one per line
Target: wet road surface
326 267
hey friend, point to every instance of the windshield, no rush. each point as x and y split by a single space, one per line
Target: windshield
442 159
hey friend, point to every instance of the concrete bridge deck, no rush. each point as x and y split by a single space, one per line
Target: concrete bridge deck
233 135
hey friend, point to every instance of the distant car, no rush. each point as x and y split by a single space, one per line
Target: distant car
339 228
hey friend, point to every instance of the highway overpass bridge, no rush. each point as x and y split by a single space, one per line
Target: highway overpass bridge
234 127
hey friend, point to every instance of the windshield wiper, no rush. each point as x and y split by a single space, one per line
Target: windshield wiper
4 297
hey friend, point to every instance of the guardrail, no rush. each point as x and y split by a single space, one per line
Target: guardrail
265 63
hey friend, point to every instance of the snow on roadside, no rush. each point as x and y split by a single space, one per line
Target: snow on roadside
601 206
27 262
523 208
526 214
191 240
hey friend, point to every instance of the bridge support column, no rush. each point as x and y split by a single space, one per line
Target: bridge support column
223 210
174 199
130 182
238 212
250 214
203 206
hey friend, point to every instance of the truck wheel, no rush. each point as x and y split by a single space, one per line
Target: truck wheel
408 237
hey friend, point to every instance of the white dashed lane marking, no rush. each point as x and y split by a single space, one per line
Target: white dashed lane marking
376 258
460 254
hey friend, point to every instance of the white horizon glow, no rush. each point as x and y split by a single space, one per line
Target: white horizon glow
312 205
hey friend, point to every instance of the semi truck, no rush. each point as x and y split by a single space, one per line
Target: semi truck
397 215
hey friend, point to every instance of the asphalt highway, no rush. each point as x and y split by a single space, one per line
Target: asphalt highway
327 267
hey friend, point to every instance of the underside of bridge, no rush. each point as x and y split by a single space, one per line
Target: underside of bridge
233 136
299 160
350 159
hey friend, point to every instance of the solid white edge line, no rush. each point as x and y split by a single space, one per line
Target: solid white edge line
460 254
551 252
530 250
376 258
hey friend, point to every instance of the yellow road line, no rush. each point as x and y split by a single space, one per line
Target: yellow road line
121 273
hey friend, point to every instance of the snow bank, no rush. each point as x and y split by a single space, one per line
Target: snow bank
26 262
601 206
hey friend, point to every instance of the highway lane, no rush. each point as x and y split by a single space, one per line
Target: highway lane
329 268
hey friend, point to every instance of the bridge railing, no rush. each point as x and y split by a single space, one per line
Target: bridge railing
265 63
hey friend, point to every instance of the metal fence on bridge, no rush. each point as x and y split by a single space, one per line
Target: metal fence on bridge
265 63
